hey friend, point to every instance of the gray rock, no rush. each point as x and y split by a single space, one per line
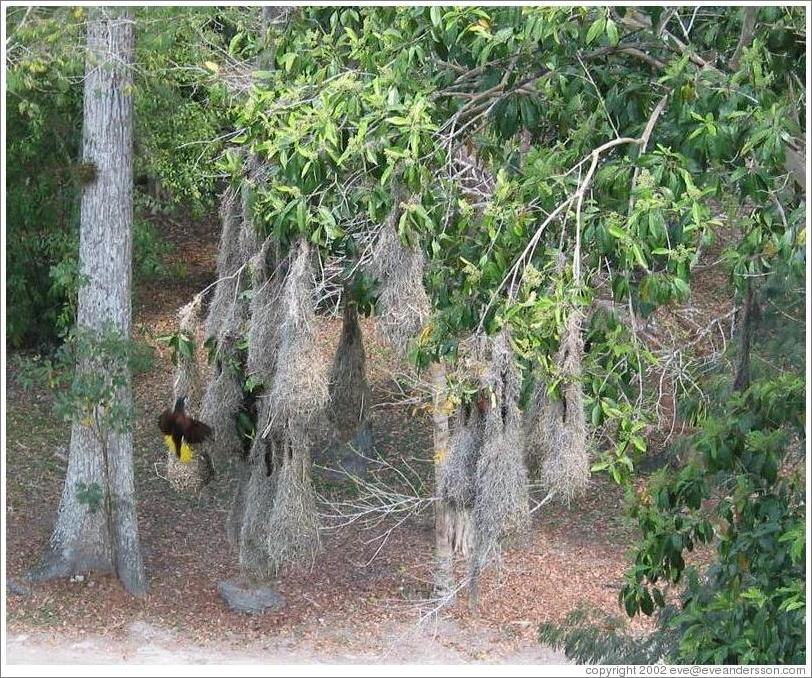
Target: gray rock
248 598
346 456
16 588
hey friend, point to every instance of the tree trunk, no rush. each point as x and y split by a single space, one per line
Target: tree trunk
749 318
443 514
271 14
453 528
746 35
87 536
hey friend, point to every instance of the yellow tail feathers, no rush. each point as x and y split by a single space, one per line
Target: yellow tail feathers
185 450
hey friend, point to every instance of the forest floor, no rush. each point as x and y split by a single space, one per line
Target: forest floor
343 610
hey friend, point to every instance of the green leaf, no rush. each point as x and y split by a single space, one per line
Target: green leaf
596 415
646 603
638 255
287 60
682 287
398 120
616 231
631 605
252 383
386 174
186 347
301 216
234 45
596 30
611 33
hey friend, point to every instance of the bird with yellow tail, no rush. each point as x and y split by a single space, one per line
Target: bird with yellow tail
181 431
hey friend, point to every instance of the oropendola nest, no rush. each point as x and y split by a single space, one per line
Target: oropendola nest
248 242
228 261
280 523
248 520
225 324
292 537
254 502
189 477
187 370
264 313
235 314
556 429
348 387
299 391
403 307
501 495
221 403
457 483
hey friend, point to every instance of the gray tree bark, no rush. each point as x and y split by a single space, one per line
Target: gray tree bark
103 537
453 528
443 512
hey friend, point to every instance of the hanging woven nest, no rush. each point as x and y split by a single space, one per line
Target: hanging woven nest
292 538
255 502
299 391
348 387
403 306
458 481
502 504
264 310
228 262
189 477
279 519
501 511
221 403
187 382
555 428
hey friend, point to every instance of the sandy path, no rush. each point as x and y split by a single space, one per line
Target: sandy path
395 644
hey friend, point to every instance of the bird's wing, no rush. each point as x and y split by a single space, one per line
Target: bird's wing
195 431
165 422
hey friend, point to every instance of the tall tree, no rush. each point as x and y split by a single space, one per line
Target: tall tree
96 527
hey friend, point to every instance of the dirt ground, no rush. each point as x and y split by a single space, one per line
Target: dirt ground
341 611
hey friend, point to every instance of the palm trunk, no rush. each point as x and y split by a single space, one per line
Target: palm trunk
87 536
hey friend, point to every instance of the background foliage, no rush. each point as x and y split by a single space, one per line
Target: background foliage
176 143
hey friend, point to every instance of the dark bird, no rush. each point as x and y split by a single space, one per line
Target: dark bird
483 403
180 430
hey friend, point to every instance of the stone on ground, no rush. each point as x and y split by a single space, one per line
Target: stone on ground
249 598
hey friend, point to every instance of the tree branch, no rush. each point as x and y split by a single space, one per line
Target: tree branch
746 37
